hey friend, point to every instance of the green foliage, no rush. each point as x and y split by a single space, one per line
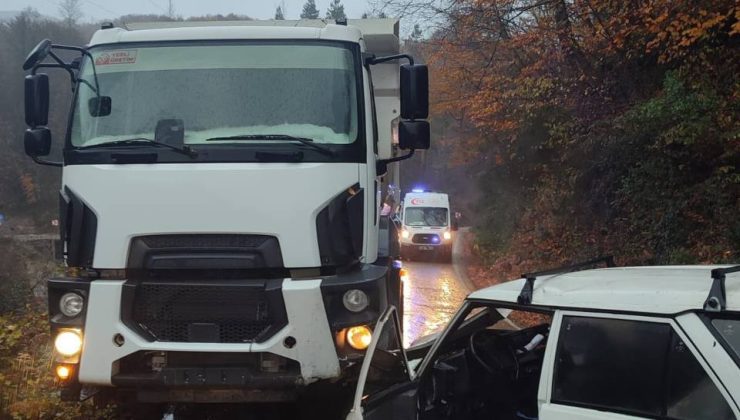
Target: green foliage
309 10
657 183
27 382
336 10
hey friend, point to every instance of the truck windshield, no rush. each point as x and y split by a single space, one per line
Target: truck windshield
222 90
426 216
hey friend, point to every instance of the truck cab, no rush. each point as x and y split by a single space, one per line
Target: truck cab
426 225
219 202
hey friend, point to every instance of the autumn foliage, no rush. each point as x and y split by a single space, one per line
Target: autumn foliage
599 126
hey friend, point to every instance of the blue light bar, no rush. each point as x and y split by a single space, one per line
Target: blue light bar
417 190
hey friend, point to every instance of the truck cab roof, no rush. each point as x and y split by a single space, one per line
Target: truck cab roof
379 35
650 289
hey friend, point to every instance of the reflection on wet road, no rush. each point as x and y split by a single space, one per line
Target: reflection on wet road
432 294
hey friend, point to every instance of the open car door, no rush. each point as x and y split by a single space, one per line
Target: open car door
385 390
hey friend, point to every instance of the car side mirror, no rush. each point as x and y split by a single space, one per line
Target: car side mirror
413 135
37 142
37 99
414 91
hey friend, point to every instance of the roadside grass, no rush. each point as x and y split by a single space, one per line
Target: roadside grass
26 380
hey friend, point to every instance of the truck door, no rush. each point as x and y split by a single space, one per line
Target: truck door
385 390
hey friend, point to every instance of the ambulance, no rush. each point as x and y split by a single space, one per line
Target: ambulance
426 225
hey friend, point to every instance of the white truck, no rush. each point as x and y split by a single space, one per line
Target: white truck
426 225
219 203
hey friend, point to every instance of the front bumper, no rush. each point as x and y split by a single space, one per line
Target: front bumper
304 343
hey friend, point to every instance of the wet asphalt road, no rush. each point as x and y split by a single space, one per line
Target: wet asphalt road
433 292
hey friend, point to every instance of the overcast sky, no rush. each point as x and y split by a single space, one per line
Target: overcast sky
95 10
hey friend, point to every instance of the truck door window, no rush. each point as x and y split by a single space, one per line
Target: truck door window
633 367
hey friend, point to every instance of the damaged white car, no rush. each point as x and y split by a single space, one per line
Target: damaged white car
614 343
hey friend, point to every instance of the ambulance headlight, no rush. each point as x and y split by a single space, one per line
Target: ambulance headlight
71 304
447 235
355 300
405 234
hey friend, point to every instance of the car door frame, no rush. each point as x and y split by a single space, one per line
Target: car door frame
547 409
358 408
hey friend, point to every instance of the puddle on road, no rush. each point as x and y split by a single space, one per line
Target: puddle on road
432 295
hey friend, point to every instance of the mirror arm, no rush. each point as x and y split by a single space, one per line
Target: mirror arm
68 67
70 48
371 60
47 162
381 166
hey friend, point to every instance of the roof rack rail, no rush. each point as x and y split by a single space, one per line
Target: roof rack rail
716 301
525 296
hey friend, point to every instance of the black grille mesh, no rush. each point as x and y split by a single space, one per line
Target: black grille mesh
425 238
167 311
205 241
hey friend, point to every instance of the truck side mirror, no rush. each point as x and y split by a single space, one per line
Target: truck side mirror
413 135
414 91
37 54
37 99
37 142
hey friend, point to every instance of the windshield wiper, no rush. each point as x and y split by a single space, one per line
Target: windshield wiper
138 141
303 140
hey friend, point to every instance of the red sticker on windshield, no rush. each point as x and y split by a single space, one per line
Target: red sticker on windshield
116 57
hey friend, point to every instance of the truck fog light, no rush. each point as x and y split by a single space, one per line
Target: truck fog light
405 234
63 372
68 342
71 304
355 300
447 235
359 337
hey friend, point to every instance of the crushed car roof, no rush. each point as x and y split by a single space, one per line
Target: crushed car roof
651 289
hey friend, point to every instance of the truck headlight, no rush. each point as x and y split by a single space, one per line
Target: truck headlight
447 235
71 304
355 300
405 234
359 337
63 372
68 342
